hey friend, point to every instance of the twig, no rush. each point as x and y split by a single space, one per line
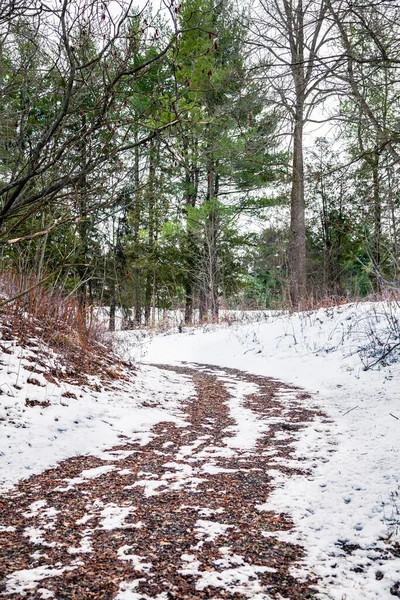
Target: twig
348 411
367 367
394 416
9 387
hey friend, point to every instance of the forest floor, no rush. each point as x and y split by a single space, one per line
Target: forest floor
180 517
203 479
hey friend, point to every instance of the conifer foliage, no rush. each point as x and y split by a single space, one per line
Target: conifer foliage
153 160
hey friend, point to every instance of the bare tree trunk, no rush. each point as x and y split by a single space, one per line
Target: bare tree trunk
214 278
153 301
213 230
327 257
192 186
188 316
83 227
151 240
297 245
112 310
293 35
136 223
377 221
41 260
377 215
394 228
203 297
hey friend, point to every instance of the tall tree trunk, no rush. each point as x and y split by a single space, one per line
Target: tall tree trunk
301 70
40 266
332 247
377 222
112 309
191 191
188 315
213 228
189 276
151 239
297 245
210 275
394 227
213 223
153 301
326 239
83 226
136 242
203 297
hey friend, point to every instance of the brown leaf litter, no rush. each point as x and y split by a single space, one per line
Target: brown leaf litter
176 518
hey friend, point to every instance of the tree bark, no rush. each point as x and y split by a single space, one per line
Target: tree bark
191 191
151 239
112 311
136 222
213 230
377 222
203 304
297 245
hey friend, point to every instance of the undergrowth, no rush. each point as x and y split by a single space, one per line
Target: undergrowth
50 321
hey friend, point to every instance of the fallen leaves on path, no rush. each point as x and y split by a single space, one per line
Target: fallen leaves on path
174 519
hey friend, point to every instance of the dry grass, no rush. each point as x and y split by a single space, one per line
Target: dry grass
315 303
51 321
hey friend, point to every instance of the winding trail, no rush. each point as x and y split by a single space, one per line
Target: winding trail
178 518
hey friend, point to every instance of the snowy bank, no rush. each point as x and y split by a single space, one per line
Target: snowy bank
42 423
349 506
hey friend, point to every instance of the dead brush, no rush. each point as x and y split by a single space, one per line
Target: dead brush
314 303
46 315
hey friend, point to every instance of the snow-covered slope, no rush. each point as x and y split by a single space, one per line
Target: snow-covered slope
350 504
346 511
43 422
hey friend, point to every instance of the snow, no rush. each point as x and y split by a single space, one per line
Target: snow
181 477
22 581
212 469
35 438
150 486
86 474
207 531
248 426
127 592
344 510
239 579
237 576
114 516
137 561
35 536
352 496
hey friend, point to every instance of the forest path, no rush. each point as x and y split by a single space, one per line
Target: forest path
177 518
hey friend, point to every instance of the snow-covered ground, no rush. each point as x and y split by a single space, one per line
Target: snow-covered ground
350 504
165 320
79 420
344 511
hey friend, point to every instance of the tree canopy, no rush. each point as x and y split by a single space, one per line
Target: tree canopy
200 157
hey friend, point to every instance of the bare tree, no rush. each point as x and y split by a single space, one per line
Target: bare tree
12 9
291 38
368 44
74 100
377 23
